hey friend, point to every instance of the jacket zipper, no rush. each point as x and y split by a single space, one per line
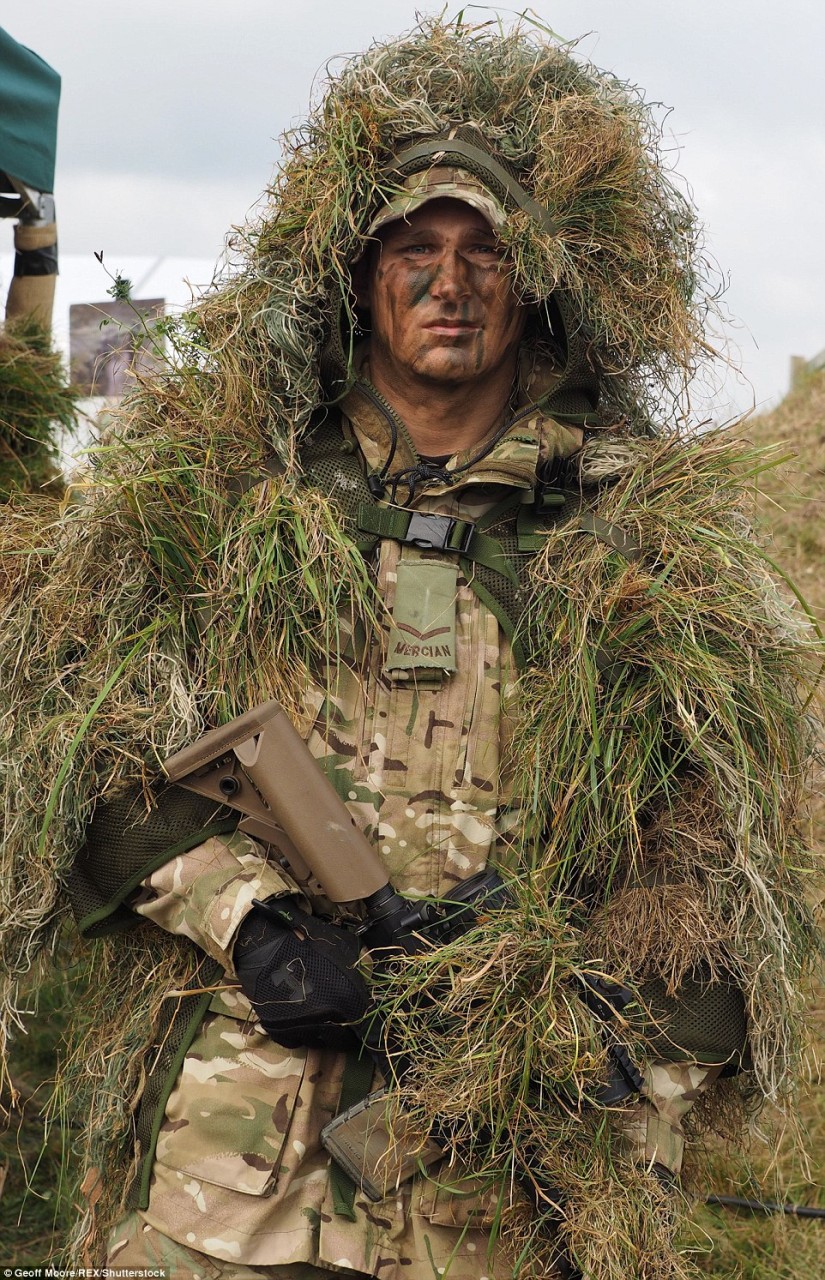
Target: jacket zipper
399 430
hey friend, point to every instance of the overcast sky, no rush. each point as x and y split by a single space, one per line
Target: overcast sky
171 110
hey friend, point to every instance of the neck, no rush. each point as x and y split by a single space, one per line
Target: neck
444 418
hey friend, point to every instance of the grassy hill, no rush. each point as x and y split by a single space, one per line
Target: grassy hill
792 500
791 508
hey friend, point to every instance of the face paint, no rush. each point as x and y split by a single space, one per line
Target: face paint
421 284
442 307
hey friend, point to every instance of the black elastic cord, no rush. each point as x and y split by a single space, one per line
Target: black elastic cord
499 435
422 473
426 473
765 1206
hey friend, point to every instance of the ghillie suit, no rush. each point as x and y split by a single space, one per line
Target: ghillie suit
34 404
660 743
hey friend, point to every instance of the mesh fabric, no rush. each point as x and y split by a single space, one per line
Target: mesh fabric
176 1028
702 1021
125 842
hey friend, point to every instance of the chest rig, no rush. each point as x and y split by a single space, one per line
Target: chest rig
495 552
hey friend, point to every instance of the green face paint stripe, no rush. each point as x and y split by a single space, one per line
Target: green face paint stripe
422 287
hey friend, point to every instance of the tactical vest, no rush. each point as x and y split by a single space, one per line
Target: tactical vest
496 552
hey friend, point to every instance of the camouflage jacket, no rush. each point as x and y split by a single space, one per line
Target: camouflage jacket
412 729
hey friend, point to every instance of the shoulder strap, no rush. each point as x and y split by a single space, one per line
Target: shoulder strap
495 553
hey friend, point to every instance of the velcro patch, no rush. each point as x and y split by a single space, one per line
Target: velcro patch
422 636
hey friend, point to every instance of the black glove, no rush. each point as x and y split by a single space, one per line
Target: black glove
299 974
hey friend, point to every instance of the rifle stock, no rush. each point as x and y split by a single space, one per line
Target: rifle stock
260 765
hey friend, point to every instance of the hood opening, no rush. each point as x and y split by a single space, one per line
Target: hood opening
552 333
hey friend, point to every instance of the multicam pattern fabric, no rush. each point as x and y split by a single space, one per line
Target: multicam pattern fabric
205 893
419 756
138 1247
440 182
653 1128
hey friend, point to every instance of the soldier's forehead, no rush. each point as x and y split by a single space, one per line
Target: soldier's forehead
434 215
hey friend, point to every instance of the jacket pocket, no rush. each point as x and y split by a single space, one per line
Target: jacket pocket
453 1198
230 1112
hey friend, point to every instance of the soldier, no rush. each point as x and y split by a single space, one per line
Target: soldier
441 415
370 552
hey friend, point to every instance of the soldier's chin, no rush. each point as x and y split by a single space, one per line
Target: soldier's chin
447 364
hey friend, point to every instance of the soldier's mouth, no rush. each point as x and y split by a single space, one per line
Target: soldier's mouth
453 327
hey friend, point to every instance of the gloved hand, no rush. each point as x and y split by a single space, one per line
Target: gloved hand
299 974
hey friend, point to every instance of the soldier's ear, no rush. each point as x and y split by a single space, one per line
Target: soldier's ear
361 274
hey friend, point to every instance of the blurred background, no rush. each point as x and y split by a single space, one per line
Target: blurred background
170 116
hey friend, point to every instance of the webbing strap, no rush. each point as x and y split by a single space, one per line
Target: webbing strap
612 534
436 533
355 1085
270 469
449 148
431 532
332 466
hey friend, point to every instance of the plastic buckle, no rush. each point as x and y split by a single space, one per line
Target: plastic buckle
548 499
434 533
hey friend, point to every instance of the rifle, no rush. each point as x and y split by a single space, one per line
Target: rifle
260 765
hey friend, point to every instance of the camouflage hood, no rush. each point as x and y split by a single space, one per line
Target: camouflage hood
601 238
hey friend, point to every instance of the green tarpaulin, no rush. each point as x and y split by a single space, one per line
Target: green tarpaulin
29 94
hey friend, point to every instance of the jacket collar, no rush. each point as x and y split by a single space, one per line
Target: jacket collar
532 437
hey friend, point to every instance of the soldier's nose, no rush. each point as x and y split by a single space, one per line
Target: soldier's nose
452 280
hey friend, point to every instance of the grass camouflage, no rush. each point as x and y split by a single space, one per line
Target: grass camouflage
663 784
